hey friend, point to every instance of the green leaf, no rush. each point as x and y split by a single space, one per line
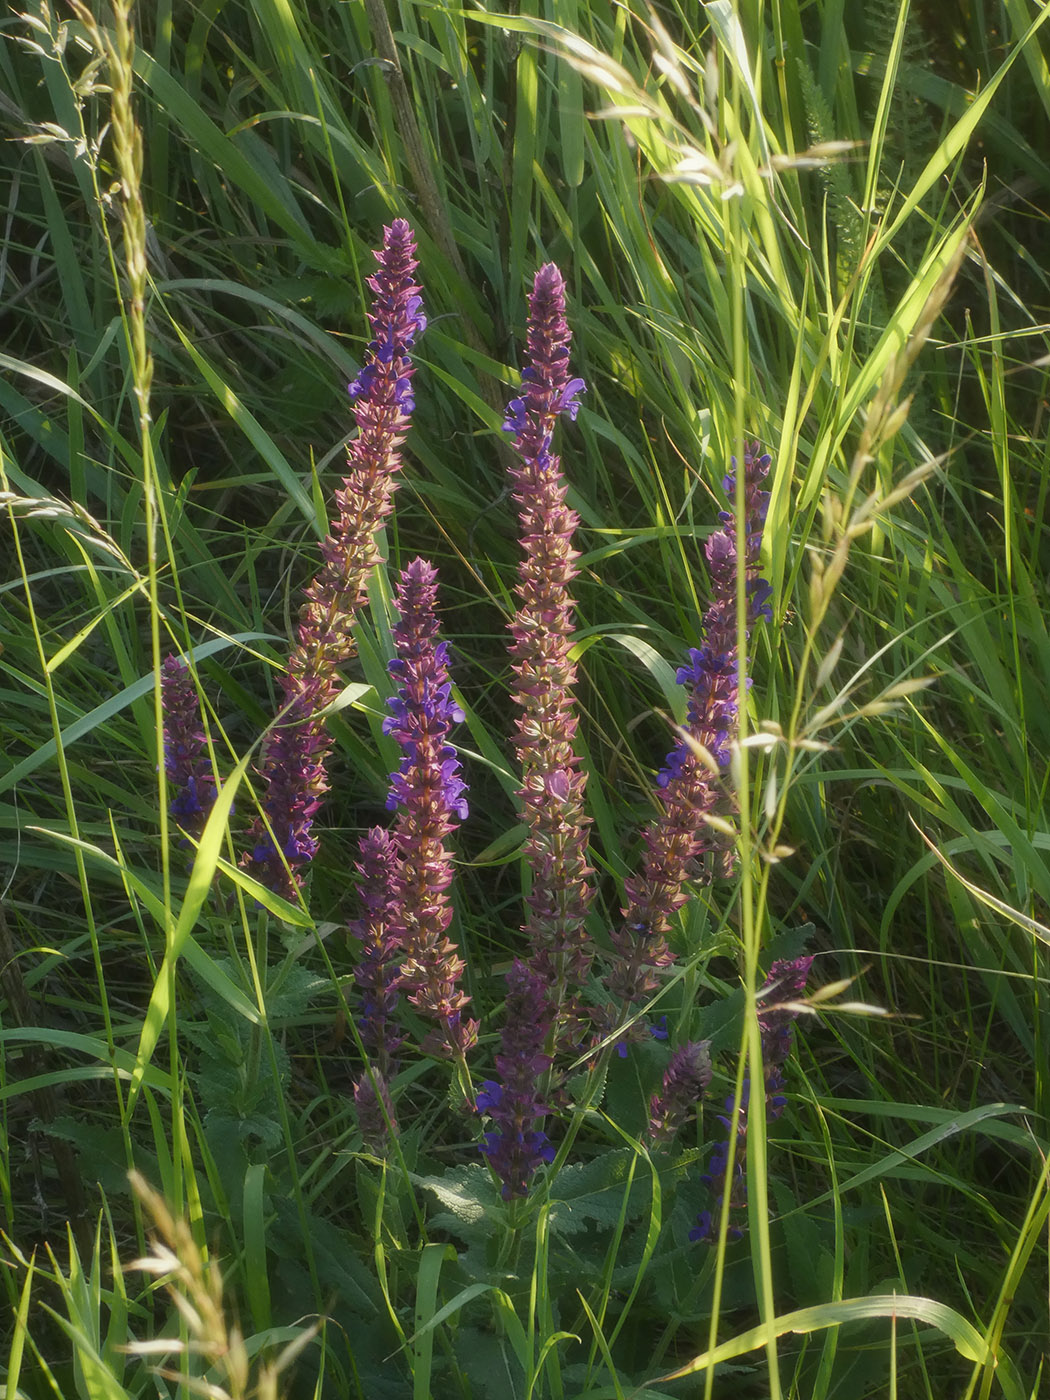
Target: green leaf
201 877
967 1341
594 1192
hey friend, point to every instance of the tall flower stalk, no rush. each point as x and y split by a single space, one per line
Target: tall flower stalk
427 791
295 758
691 786
553 784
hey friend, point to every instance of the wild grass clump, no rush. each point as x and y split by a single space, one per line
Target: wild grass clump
545 897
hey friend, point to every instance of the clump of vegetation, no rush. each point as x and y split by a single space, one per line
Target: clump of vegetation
420 880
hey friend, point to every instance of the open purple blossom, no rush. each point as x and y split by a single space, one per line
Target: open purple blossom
658 1030
516 1144
685 1079
552 791
676 840
427 791
424 703
191 781
295 758
784 984
563 399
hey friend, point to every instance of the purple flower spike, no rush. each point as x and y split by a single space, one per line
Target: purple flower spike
377 974
784 984
516 1144
675 842
552 791
396 319
686 1078
428 791
711 675
715 1176
376 1125
186 761
295 774
295 758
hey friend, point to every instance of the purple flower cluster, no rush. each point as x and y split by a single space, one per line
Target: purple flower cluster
294 769
711 674
516 1144
553 784
423 705
295 758
675 841
378 978
428 791
186 760
405 874
377 973
685 1079
787 980
715 1176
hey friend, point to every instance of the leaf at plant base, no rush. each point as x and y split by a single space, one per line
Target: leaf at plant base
594 1191
470 1198
810 1255
292 992
488 1363
340 1270
102 1153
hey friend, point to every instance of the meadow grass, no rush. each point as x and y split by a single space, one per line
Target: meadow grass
817 227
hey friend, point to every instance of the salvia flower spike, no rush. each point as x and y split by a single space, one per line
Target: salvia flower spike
784 984
378 979
711 673
516 1144
295 759
674 842
376 974
191 781
685 1079
428 792
553 784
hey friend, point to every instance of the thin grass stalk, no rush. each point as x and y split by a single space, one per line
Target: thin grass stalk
118 50
127 145
751 1048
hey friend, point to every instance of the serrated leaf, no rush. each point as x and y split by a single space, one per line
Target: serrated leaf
594 1191
469 1195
